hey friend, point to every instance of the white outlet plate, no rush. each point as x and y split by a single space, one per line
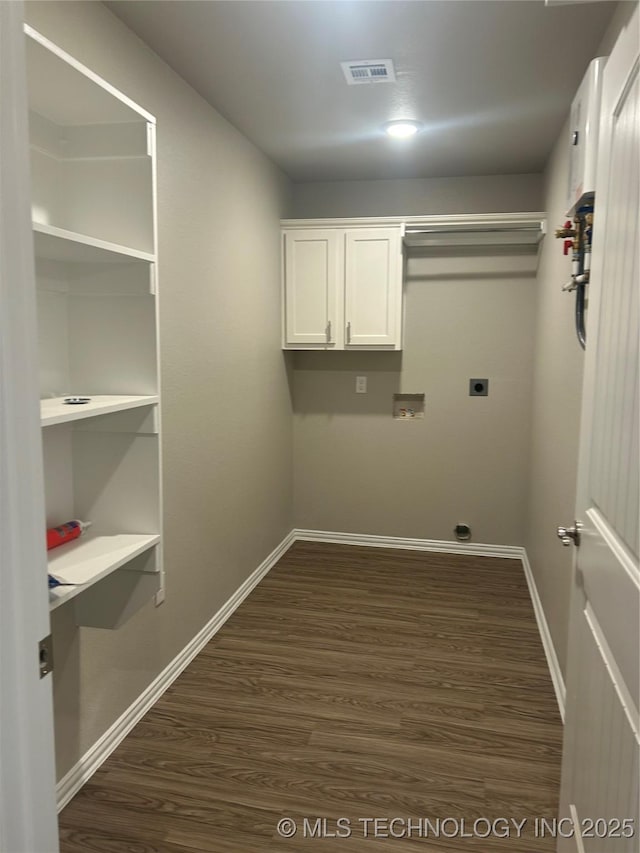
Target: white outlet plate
361 384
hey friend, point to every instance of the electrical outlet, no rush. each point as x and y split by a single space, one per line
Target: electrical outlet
478 387
361 384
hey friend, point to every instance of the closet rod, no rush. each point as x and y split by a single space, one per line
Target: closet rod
464 229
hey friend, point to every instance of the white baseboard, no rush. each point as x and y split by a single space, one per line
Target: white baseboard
545 635
71 783
442 545
509 551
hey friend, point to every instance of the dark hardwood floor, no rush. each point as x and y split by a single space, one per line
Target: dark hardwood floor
353 683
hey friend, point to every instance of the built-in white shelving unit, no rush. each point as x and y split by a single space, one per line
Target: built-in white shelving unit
94 223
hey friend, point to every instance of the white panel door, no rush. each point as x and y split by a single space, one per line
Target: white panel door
600 760
312 275
373 288
27 773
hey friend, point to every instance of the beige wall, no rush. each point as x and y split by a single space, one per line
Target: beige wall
227 410
557 394
555 421
357 470
485 194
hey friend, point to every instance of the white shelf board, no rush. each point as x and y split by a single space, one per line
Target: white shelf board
56 411
89 559
57 244
68 92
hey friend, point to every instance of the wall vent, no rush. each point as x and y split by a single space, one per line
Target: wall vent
369 71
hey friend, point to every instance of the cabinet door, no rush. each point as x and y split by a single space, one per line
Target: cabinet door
311 269
373 288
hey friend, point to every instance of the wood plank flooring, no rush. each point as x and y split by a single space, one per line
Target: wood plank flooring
353 683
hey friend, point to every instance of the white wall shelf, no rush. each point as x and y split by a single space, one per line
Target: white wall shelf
56 411
58 244
524 222
84 562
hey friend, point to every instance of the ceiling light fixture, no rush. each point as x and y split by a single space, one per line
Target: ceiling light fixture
402 129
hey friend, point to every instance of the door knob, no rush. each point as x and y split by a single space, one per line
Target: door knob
567 535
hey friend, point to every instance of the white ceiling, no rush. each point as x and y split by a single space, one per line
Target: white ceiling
491 81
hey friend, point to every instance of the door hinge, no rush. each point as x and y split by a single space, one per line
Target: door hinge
45 656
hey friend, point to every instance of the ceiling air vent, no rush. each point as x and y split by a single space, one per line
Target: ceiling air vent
369 71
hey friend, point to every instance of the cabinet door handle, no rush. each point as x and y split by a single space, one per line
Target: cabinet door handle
328 332
349 332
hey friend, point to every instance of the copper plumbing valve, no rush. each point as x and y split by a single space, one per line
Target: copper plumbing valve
566 231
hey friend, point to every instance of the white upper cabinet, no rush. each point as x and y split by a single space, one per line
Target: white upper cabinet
373 288
342 288
312 272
